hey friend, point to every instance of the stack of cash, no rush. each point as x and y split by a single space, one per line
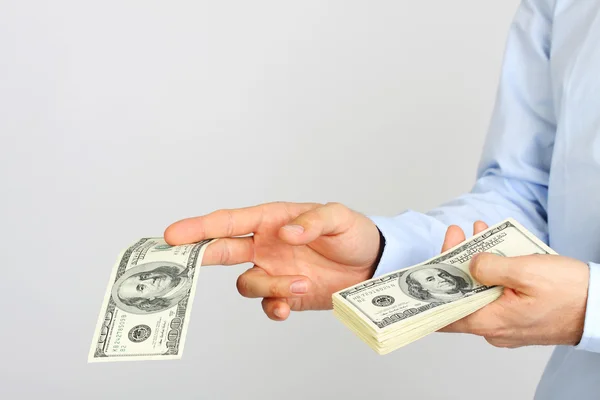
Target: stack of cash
395 309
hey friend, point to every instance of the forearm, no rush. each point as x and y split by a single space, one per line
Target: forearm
412 236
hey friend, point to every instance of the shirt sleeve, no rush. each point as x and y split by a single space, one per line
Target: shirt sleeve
590 341
513 173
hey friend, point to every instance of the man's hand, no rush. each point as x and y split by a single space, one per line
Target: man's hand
302 253
543 302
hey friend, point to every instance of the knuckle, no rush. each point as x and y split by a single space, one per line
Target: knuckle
265 305
295 304
311 218
225 253
524 274
501 344
480 265
275 290
474 267
499 337
230 223
243 285
226 218
340 216
337 208
202 230
477 331
492 334
493 342
477 265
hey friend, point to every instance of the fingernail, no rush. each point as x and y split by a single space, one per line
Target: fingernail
299 287
295 229
277 313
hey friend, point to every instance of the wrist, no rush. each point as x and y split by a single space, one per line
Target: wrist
375 263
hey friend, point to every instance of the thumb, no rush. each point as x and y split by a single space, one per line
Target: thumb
493 270
330 219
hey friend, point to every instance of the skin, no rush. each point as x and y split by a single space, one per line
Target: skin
304 252
543 302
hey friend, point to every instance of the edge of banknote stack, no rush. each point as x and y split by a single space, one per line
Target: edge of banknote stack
412 323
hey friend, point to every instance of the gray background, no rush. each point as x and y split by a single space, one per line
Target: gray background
118 118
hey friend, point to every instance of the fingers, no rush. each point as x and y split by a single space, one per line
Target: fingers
278 293
479 226
481 322
229 251
276 309
471 324
218 224
459 326
330 219
256 283
490 269
234 222
454 236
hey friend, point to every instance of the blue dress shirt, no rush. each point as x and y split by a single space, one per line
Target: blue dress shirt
540 165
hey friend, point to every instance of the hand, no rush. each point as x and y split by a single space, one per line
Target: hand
302 253
543 302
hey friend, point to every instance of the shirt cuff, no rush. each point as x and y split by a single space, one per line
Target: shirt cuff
590 341
410 238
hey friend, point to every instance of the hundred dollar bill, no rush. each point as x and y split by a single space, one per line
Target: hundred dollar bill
146 309
411 297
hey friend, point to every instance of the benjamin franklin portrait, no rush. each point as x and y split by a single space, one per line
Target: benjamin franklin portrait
436 283
151 287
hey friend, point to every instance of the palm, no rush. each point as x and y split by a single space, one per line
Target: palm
330 262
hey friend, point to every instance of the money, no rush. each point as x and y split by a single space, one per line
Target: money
146 309
398 308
